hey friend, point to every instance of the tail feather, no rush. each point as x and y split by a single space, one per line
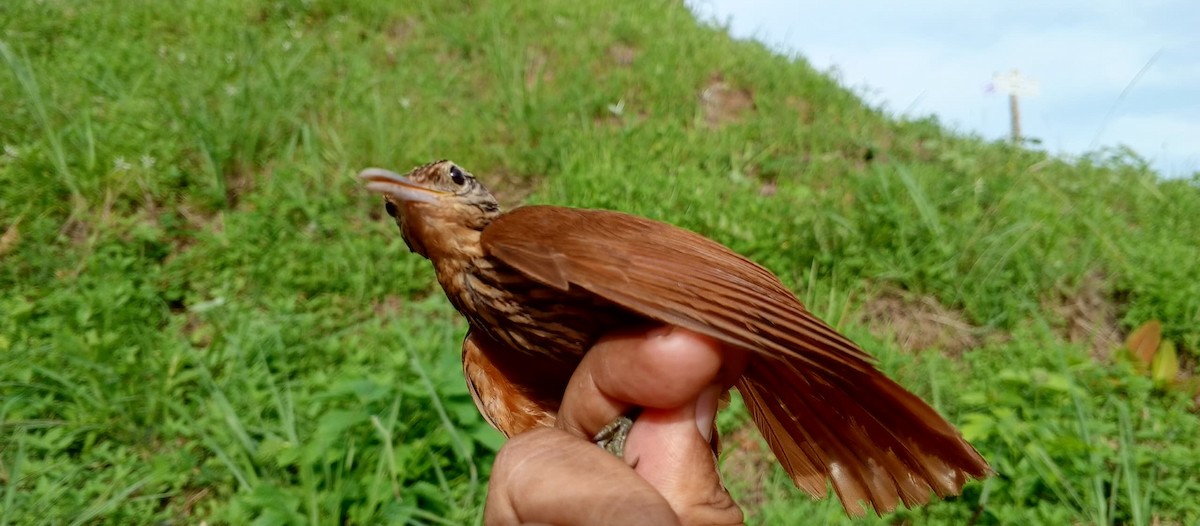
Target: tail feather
876 442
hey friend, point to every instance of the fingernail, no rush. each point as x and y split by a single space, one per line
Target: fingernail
706 410
660 332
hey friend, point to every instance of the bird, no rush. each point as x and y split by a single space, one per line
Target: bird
539 285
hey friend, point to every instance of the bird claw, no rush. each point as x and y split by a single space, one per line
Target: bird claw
612 437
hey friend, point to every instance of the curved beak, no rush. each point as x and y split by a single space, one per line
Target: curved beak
397 186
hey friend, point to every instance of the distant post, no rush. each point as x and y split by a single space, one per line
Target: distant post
1014 112
1015 86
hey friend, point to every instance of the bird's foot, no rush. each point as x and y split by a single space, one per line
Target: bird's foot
612 437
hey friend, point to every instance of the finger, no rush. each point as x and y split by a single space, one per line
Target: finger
662 368
676 459
547 476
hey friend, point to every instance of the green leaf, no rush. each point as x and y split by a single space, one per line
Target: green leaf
977 426
278 450
1165 367
485 435
330 431
1056 382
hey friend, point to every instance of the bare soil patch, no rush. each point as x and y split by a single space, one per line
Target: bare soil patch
723 103
919 323
622 54
1088 316
511 188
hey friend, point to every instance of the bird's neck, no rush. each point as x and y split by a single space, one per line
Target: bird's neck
444 241
464 275
456 259
455 253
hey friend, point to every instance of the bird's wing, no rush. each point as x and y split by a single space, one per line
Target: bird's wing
669 274
817 398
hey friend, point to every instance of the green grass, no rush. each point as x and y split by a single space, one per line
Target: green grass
204 317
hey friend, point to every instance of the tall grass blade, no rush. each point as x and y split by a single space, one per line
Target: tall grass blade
460 445
19 65
1133 488
13 474
929 214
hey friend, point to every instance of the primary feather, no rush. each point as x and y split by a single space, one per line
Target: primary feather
824 409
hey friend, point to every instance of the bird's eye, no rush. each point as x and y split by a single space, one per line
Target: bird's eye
390 208
457 176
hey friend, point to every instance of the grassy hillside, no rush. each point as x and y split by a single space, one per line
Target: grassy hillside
204 317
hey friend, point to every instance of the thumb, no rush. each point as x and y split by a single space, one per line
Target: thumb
669 450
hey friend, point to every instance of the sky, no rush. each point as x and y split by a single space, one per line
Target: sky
1107 72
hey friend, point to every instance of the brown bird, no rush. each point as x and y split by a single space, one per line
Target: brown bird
540 284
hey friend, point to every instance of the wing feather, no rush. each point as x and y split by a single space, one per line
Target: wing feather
816 397
622 257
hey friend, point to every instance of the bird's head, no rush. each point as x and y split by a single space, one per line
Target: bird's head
440 208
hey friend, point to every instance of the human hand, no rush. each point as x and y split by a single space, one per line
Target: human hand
669 476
